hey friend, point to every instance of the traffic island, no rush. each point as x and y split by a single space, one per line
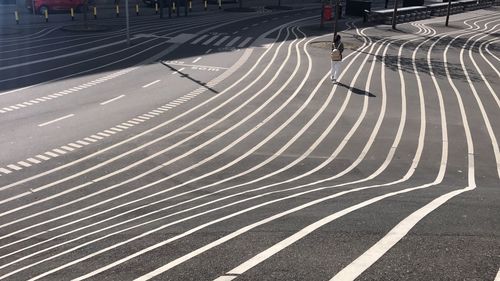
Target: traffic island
86 28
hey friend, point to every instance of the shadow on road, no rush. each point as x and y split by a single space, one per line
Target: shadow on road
357 91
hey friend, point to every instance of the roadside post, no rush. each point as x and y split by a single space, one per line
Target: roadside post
72 12
395 14
95 12
117 10
448 13
220 4
156 8
205 4
16 14
136 9
127 21
46 15
190 6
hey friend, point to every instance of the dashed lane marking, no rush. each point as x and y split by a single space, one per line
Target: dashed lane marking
112 100
63 93
94 138
56 120
150 84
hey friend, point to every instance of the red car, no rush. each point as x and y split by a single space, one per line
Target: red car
54 5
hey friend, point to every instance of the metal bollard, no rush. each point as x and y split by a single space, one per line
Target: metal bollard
72 12
220 4
205 4
117 11
137 9
95 12
156 8
16 14
173 7
190 6
47 15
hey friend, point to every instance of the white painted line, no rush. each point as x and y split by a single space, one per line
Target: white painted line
34 101
43 157
122 127
82 142
96 137
55 120
34 161
111 100
22 163
14 167
67 148
60 151
27 103
152 83
199 39
128 124
116 129
236 32
75 145
218 43
242 44
14 107
210 40
103 134
196 60
90 140
51 154
40 99
231 43
7 109
1 111
53 96
208 51
138 120
5 171
497 278
20 105
148 115
110 132
154 113
226 278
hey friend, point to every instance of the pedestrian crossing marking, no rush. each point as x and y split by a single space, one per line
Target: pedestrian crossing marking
221 40
211 40
231 43
199 39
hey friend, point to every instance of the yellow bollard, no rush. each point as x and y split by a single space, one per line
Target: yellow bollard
72 12
220 4
173 7
205 5
137 9
190 5
16 14
95 12
47 15
156 8
117 11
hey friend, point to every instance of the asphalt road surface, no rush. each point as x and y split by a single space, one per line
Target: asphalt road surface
215 147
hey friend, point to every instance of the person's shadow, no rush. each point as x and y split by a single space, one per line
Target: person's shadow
357 91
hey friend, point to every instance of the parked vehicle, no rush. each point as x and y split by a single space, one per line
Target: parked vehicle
54 5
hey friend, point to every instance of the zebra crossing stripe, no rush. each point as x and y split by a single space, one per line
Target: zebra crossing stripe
199 39
43 157
60 151
210 40
5 171
221 40
22 163
34 161
242 44
51 154
14 167
231 43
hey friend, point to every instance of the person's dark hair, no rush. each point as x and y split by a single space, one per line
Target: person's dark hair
337 38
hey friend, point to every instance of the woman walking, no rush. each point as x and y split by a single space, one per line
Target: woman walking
336 55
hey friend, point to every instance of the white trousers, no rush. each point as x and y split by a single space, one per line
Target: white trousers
335 71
